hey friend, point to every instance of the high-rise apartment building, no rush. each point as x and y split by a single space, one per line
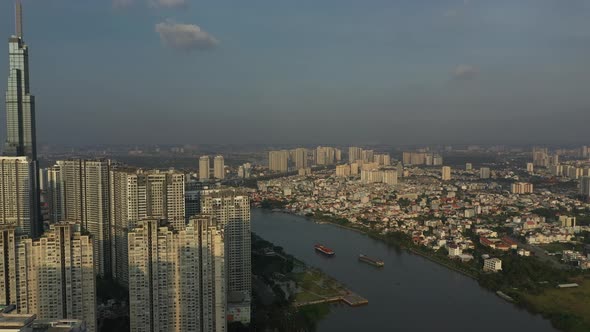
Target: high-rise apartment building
300 158
204 168
84 186
530 167
343 170
136 195
446 173
371 176
367 156
325 155
585 187
540 157
18 204
390 176
53 193
354 154
468 166
51 277
245 171
382 159
522 188
354 168
231 211
278 161
177 279
219 168
484 173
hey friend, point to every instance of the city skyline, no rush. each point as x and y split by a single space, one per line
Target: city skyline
497 69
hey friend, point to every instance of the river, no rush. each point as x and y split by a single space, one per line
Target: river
409 294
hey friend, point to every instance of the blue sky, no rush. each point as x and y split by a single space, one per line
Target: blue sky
372 71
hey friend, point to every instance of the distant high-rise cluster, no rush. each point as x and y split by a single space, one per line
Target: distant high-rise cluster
541 157
522 188
422 158
245 171
325 155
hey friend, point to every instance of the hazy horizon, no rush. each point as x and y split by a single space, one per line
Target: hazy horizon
335 72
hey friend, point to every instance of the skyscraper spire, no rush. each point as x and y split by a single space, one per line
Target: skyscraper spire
19 19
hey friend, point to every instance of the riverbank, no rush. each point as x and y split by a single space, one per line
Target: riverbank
521 275
288 294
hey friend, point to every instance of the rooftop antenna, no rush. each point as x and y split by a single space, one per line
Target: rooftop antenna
19 19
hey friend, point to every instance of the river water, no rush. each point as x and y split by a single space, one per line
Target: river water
409 294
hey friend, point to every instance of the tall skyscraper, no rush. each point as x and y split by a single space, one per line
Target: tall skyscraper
85 195
136 195
219 168
177 279
20 121
52 277
20 103
231 211
204 168
278 161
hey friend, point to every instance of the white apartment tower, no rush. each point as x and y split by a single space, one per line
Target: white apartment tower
177 279
136 195
51 277
219 168
231 211
278 161
300 158
84 186
446 173
354 154
204 168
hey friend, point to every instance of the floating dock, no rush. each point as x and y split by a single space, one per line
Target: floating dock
351 299
354 300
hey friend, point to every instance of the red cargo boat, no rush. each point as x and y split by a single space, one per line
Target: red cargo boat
324 250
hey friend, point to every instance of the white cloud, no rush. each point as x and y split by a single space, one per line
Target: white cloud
465 72
185 37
